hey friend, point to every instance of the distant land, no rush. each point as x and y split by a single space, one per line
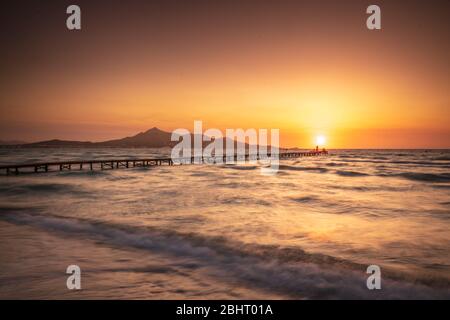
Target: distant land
152 138
11 142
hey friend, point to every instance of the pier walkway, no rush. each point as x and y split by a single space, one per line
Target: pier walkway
131 163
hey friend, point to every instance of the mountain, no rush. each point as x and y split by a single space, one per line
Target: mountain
153 138
55 143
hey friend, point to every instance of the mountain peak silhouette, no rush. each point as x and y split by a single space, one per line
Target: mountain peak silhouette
154 129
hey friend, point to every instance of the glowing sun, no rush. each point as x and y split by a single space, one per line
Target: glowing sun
320 140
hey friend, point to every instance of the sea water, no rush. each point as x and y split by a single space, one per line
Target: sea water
226 231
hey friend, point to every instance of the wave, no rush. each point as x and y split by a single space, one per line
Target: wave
423 177
417 176
20 209
291 271
423 163
200 174
335 164
121 177
298 168
306 199
441 186
238 167
242 200
405 162
446 157
350 173
53 188
85 173
371 188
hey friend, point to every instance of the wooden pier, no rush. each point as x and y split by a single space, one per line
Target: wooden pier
91 165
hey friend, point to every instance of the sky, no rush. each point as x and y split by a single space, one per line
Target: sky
308 68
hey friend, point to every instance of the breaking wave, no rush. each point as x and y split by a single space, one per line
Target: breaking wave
286 270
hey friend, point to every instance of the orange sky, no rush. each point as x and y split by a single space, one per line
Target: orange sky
306 67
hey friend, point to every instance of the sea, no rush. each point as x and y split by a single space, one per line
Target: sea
227 231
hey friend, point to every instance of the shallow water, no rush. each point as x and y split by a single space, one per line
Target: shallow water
227 231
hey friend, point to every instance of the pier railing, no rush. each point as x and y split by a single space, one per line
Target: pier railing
132 163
